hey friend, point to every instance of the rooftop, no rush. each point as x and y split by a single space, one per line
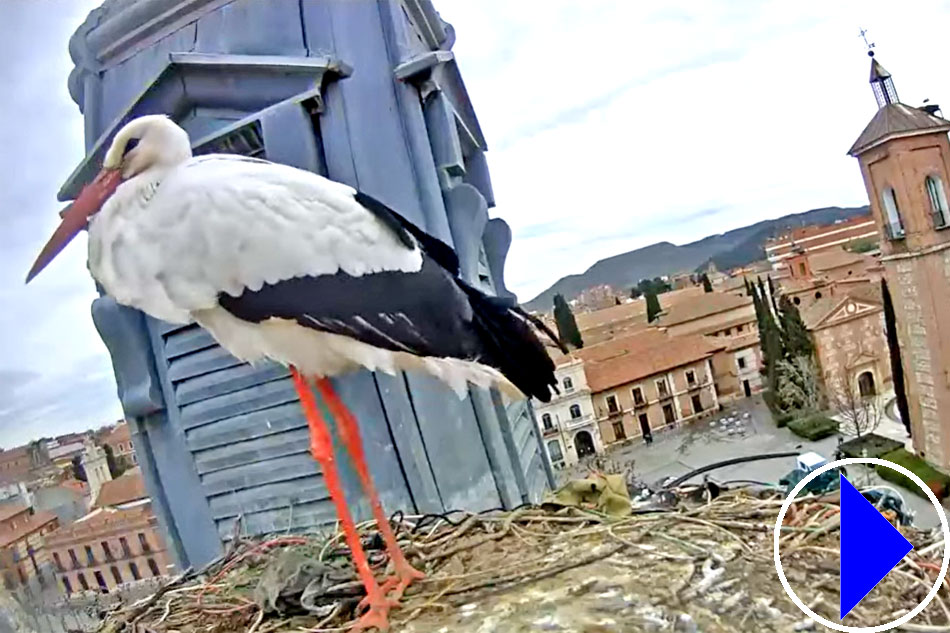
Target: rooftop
701 306
125 489
35 522
119 434
11 510
896 120
836 258
815 314
637 357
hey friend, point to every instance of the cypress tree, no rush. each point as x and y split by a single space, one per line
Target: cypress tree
566 324
794 333
653 307
707 285
772 294
897 367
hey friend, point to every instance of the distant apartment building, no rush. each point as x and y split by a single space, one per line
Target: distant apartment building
118 542
650 381
119 439
15 462
23 555
568 424
628 318
597 298
817 237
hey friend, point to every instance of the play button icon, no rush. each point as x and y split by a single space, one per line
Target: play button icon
870 547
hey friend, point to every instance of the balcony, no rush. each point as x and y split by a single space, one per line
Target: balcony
574 423
548 432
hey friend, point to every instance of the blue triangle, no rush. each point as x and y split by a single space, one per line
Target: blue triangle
870 547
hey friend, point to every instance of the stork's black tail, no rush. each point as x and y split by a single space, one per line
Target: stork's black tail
512 345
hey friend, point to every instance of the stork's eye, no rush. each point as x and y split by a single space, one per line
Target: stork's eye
133 142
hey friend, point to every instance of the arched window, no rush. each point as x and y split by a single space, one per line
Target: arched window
575 411
546 422
893 225
568 384
554 450
938 201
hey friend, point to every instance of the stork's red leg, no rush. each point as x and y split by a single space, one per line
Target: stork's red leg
321 447
350 433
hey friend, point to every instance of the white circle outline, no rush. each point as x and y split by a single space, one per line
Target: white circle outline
861 629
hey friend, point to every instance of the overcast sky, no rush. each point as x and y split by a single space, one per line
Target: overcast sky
611 125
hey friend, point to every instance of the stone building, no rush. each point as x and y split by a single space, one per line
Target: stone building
119 439
650 381
712 314
850 341
904 155
23 554
118 542
15 462
568 424
96 466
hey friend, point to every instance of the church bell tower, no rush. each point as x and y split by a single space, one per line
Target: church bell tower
904 156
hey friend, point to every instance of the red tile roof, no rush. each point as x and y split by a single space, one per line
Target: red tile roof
702 306
125 489
637 357
35 522
10 510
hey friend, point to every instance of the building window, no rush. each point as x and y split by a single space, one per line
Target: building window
801 269
90 558
58 561
153 567
818 295
124 544
619 433
938 201
116 575
134 569
546 422
697 404
893 225
144 543
575 411
101 581
106 551
797 301
82 581
612 406
662 388
741 362
554 450
638 396
67 586
669 413
738 329
691 378
568 384
73 558
728 331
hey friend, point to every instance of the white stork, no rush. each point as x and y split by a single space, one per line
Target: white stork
282 264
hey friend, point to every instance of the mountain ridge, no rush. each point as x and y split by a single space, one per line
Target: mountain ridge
731 249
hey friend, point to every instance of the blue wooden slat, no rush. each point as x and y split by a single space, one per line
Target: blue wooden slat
263 396
259 450
186 341
166 328
308 516
202 362
258 474
227 381
454 445
286 417
277 496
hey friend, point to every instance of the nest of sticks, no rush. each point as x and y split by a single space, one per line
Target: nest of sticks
699 564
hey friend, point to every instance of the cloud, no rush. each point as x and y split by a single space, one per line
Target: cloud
614 125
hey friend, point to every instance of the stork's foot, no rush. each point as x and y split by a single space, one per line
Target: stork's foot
376 618
395 585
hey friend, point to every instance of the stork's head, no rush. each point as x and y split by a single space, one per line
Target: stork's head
159 144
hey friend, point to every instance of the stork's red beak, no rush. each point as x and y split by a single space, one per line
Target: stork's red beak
76 217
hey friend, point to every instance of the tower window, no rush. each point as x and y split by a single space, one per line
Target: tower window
938 201
568 384
575 411
546 422
893 225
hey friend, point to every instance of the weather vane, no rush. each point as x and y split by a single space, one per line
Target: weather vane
870 45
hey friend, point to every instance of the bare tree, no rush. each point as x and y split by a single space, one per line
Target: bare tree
799 388
859 414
